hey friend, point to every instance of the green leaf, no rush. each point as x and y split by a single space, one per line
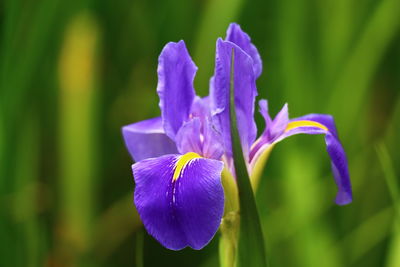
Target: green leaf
251 250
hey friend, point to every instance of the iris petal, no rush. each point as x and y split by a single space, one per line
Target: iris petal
188 137
275 127
213 143
237 36
147 139
334 147
180 212
201 108
324 119
308 124
176 72
245 93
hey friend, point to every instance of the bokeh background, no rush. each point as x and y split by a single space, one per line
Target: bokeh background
73 72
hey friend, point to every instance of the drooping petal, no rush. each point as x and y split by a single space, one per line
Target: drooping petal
245 93
146 139
235 35
324 119
176 72
324 124
320 124
180 199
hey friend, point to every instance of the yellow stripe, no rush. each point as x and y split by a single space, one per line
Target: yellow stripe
181 163
295 124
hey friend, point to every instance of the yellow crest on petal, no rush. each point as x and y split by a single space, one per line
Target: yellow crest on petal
304 123
181 163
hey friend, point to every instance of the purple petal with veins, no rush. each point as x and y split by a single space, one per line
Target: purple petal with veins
176 72
181 212
245 93
237 36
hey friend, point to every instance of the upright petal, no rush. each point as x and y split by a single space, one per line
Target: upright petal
273 128
235 35
146 139
176 72
180 199
263 104
200 137
245 93
201 108
188 137
213 145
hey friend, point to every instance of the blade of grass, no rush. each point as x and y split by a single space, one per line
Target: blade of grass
26 193
389 172
393 256
298 77
367 235
251 250
337 20
352 84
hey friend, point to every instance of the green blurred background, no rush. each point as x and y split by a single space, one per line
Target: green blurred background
73 72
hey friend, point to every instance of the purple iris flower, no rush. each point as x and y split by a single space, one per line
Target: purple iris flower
180 155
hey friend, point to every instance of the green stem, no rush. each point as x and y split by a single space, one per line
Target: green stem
228 241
